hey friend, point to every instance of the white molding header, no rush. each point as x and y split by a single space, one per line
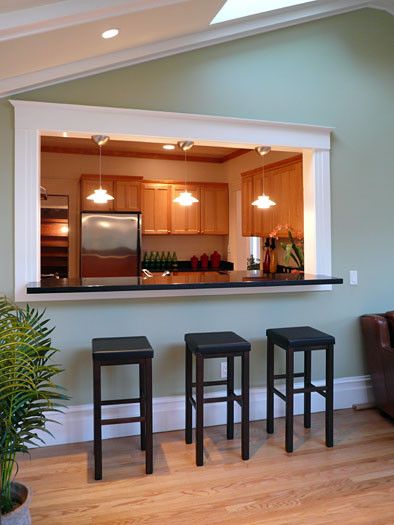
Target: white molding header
67 13
204 129
33 119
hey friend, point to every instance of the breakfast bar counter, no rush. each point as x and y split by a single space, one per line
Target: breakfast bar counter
180 281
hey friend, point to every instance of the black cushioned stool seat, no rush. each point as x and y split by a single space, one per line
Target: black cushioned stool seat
107 351
208 345
300 339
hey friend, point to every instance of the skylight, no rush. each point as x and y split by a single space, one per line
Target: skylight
233 9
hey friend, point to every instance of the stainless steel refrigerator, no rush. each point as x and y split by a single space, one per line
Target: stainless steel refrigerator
110 244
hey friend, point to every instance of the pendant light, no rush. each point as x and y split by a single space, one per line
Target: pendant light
185 198
100 196
263 201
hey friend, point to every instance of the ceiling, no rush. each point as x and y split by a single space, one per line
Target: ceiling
48 41
151 150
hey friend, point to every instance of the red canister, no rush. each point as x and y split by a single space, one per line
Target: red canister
204 261
215 259
194 262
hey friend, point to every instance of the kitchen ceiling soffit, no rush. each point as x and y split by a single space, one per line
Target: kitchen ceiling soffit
62 25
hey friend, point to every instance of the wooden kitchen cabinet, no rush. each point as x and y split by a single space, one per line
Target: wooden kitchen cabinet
125 190
214 209
88 185
127 195
156 205
283 183
247 193
185 219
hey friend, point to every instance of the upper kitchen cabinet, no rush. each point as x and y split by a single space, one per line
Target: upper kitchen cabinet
247 208
156 204
89 183
125 190
214 209
185 219
127 194
283 183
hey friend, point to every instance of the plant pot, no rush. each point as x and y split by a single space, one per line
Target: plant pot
21 514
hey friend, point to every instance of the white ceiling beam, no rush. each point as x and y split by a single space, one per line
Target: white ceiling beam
34 20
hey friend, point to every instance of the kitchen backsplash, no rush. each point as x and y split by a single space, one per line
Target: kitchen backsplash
185 246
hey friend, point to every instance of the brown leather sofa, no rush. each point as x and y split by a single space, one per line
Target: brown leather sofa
378 336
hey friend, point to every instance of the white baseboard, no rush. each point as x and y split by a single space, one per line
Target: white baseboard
76 423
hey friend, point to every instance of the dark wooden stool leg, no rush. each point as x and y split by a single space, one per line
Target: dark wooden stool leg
245 405
230 391
199 410
188 395
148 417
270 386
307 384
98 453
141 368
330 396
289 398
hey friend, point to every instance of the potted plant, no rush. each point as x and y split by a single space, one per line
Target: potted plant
27 393
293 246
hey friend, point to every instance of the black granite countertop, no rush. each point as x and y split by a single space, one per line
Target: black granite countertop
179 281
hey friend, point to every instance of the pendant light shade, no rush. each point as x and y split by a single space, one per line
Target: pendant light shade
263 201
185 198
100 195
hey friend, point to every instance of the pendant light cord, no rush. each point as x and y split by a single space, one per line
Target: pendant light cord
100 167
185 171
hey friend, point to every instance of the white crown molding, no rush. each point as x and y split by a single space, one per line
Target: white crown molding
216 34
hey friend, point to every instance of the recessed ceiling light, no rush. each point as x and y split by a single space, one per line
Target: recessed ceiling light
110 33
168 146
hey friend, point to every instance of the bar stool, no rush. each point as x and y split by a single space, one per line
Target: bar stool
107 351
300 339
209 345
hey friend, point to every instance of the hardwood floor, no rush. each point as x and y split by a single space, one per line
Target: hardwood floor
352 483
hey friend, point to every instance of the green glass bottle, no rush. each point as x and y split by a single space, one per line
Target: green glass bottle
174 261
156 263
162 261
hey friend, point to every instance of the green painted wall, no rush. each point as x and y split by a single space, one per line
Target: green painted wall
337 72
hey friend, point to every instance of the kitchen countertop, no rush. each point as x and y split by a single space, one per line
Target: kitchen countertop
179 281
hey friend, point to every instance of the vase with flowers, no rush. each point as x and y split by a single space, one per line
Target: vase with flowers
293 245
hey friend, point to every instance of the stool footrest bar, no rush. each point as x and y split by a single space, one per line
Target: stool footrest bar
318 389
213 383
283 376
119 420
221 399
120 401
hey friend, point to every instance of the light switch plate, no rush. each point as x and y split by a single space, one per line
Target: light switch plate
353 277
